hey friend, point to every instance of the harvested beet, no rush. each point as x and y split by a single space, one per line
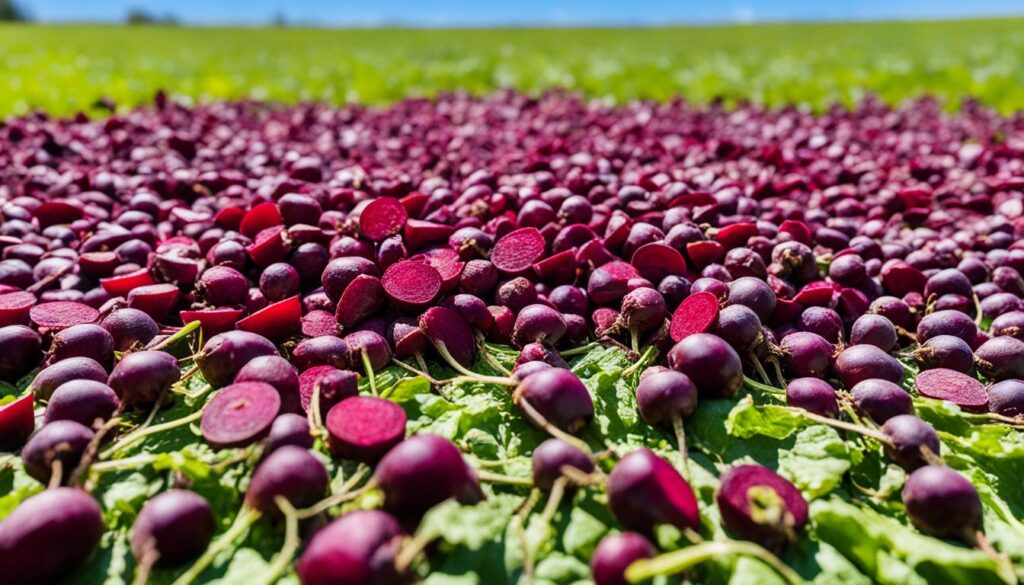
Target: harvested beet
881 399
75 368
411 285
288 429
17 421
813 395
537 324
86 402
655 261
214 321
276 321
326 350
550 459
908 437
644 490
382 217
698 313
355 548
316 323
1001 358
173 527
15 307
290 472
86 340
341 271
130 328
444 327
226 353
276 371
363 297
240 414
609 282
423 471
62 314
1007 398
711 363
260 218
122 284
558 396
22 351
334 386
364 428
516 251
63 441
760 505
155 300
952 386
815 294
943 503
615 553
863 362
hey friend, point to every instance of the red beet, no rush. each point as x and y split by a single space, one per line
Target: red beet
240 414
644 490
17 421
881 399
364 428
382 217
75 368
22 351
445 327
214 321
943 503
174 527
357 548
122 284
698 313
363 297
155 300
615 553
863 362
423 471
1001 358
316 323
813 395
908 435
655 261
411 285
952 386
558 396
290 472
62 314
275 321
62 440
334 386
130 328
84 401
260 218
711 363
15 306
326 350
760 505
516 251
277 372
226 353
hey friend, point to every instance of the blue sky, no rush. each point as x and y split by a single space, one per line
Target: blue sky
519 12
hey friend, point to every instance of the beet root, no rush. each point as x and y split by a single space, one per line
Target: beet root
760 505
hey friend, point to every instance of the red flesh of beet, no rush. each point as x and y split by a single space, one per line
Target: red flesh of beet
120 286
316 323
363 297
704 252
259 218
815 294
62 314
735 235
275 321
214 321
156 300
14 308
382 217
696 314
952 386
364 428
411 285
655 261
516 251
240 414
17 421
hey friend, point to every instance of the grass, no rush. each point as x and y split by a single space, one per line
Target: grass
63 69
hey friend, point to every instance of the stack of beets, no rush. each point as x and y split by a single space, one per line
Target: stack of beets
314 246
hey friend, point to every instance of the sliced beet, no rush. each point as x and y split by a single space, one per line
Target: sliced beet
406 338
798 230
122 284
558 268
333 384
445 326
15 306
447 264
419 233
411 285
517 250
737 234
363 297
655 261
259 218
62 314
316 323
704 252
214 321
698 313
364 428
760 505
229 218
155 300
815 294
952 386
17 421
98 264
382 217
57 213
900 278
276 321
240 414
270 246
644 491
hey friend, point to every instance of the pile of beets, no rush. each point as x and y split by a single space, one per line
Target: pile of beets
824 256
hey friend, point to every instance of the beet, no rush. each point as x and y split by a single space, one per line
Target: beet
62 314
945 351
222 285
371 345
277 372
947 322
326 350
760 505
352 549
874 330
275 321
711 363
122 284
75 368
334 386
411 285
290 472
173 527
143 377
698 313
341 271
363 297
662 396
14 307
130 328
615 553
813 395
881 399
754 293
87 340
364 428
538 324
1001 358
609 282
382 217
908 435
240 414
518 250
943 503
83 401
644 490
444 327
226 353
806 354
552 456
22 352
62 440
655 261
288 429
17 421
213 321
421 472
558 396
952 386
862 362
1006 398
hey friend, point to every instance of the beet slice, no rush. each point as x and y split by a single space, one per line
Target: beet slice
57 213
240 414
316 323
15 306
952 386
269 247
900 278
229 218
213 321
98 264
445 326
736 235
517 250
704 252
655 261
815 294
447 263
798 230
698 313
557 269
275 321
259 218
335 385
419 233
698 199
62 314
364 428
363 297
411 285
155 300
17 421
121 285
382 217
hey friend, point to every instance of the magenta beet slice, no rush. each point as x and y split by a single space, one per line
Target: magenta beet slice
798 230
655 261
419 233
363 297
414 203
121 285
275 321
698 199
15 306
696 314
447 263
737 234
56 213
240 414
155 300
815 294
900 278
786 311
213 321
364 428
98 264
382 217
229 218
62 314
17 421
269 247
704 252
259 218
335 386
445 326
410 284
517 250
316 323
952 386
557 269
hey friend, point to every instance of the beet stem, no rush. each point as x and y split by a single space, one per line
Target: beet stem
684 457
503 479
539 420
137 435
56 474
93 447
316 422
766 388
999 418
845 426
178 335
411 549
291 542
421 373
580 350
491 361
345 494
641 363
778 371
978 315
245 518
760 368
524 542
369 371
1006 570
678 561
126 463
499 380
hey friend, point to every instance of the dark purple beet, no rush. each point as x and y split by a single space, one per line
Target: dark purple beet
352 549
1007 398
557 395
552 456
946 322
644 490
291 472
806 354
813 395
663 396
77 368
226 353
130 328
862 362
615 553
142 377
1001 358
83 401
711 363
173 527
423 471
276 371
945 351
943 503
874 330
908 436
60 440
881 399
760 505
288 429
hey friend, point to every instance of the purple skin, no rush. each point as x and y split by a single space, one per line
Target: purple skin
538 324
881 399
552 456
945 351
1009 324
1007 398
538 352
908 436
525 369
130 328
946 282
341 271
806 354
674 289
569 299
175 526
354 548
48 536
376 348
740 328
223 286
326 350
796 262
863 362
664 396
947 322
78 368
824 322
276 371
471 308
615 553
61 440
711 285
644 490
279 281
760 505
893 309
874 330
226 353
754 293
91 341
291 472
643 310
558 396
421 472
813 395
847 270
711 363
86 402
943 503
1001 358
144 377
288 429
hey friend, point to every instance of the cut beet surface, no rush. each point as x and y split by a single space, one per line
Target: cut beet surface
445 326
62 314
815 294
419 233
382 217
698 313
213 321
275 321
411 285
98 264
704 252
57 213
900 278
798 230
316 323
447 264
737 234
516 251
363 297
558 268
269 247
698 199
335 386
156 300
14 307
260 218
229 218
240 414
17 421
364 428
655 261
121 285
952 386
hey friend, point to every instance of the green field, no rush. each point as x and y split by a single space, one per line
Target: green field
66 68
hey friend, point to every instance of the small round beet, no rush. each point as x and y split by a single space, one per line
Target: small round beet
226 353
370 344
130 328
288 429
48 536
240 414
353 549
945 351
364 428
279 281
893 309
806 354
552 456
523 370
1001 358
881 399
144 376
663 396
86 340
946 322
740 327
643 310
615 553
754 293
874 330
711 363
77 368
644 490
291 472
61 440
276 371
558 396
173 527
538 323
813 395
908 435
538 352
222 286
1007 398
325 350
83 401
862 362
760 505
943 503
423 471
822 321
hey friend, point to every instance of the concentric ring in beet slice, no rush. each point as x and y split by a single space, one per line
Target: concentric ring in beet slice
62 314
953 386
655 261
518 250
382 217
240 414
698 313
364 428
410 284
15 306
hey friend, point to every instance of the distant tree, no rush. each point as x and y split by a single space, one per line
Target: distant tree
279 20
12 11
142 16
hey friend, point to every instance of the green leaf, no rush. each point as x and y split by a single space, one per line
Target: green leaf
469 526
